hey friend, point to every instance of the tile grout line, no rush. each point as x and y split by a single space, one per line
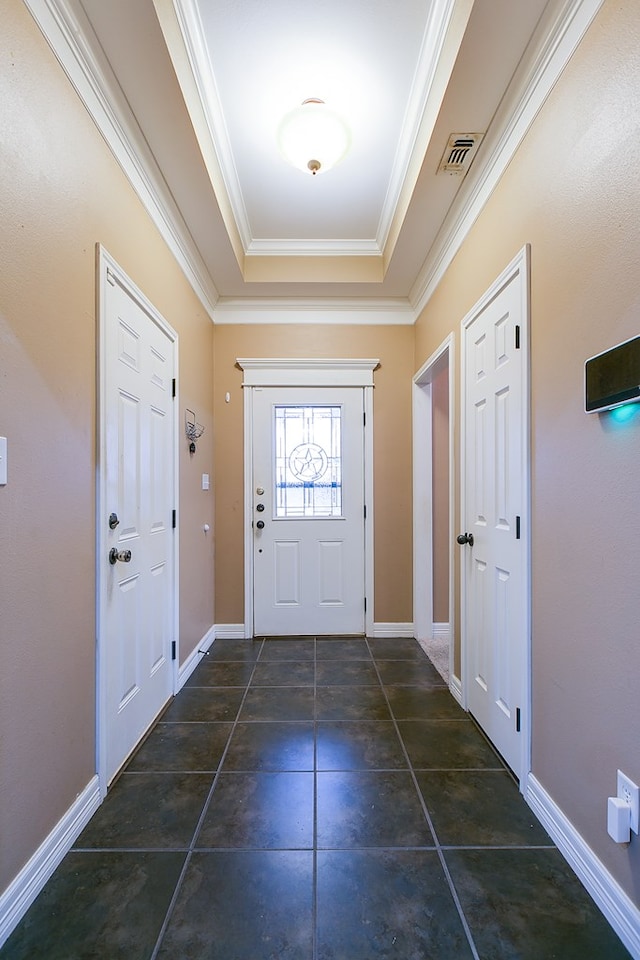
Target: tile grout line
331 849
205 809
438 848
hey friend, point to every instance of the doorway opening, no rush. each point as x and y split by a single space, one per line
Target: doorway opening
433 511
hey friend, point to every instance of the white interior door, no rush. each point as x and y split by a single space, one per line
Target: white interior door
495 514
136 535
308 510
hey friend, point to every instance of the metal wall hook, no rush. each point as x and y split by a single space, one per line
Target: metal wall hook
192 429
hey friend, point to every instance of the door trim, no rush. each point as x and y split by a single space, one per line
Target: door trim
285 372
108 271
518 269
423 497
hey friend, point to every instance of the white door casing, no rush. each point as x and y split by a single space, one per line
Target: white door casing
137 606
495 570
306 575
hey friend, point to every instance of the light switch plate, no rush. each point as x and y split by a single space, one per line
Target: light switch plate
205 481
3 460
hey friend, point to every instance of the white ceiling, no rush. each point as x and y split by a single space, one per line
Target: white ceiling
198 88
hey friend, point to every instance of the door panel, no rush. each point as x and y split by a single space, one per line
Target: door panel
286 563
331 572
308 459
495 486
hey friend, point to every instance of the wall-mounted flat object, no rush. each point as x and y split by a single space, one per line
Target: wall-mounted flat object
612 378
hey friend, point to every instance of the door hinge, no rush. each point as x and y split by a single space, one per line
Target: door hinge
517 719
365 511
173 649
364 419
365 604
173 519
173 388
517 528
517 336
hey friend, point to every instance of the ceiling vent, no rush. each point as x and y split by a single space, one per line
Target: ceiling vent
459 153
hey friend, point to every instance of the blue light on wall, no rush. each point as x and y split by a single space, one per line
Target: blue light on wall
625 413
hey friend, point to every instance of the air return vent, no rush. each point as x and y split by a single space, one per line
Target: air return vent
459 154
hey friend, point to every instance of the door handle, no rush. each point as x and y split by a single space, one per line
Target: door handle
123 555
260 524
465 538
260 507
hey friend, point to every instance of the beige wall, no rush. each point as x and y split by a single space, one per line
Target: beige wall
572 193
392 450
60 192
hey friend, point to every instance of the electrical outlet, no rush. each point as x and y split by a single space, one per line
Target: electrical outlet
630 793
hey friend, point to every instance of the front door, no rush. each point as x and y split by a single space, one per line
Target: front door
308 510
137 498
495 515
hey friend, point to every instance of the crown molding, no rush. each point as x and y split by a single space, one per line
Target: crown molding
103 99
384 312
410 150
557 37
408 157
314 248
195 46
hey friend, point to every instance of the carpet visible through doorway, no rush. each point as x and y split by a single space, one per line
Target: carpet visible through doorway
437 649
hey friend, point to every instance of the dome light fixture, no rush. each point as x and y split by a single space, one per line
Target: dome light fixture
313 138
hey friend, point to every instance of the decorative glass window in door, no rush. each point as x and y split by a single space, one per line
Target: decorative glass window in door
308 461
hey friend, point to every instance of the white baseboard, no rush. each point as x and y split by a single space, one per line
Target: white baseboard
382 631
23 890
618 908
229 631
455 689
441 631
195 657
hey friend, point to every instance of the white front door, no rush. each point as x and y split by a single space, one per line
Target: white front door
308 510
137 500
495 514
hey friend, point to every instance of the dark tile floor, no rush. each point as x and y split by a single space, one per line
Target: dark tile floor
314 800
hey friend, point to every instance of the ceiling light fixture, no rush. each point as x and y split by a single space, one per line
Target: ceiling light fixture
313 138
